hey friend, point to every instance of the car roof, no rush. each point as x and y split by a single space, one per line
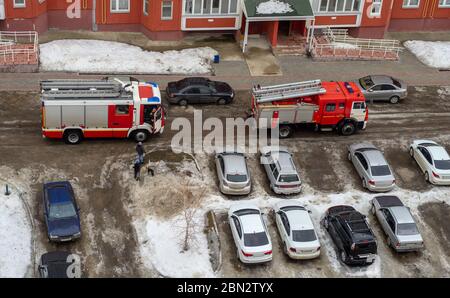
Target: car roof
438 152
402 214
285 162
381 79
299 219
375 157
58 192
234 163
251 223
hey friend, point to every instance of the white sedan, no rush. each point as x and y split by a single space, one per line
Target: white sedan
433 160
250 233
296 229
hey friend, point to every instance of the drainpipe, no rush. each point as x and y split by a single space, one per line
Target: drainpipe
94 17
244 45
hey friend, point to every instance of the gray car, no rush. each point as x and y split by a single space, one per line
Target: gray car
372 167
233 173
398 223
382 88
280 170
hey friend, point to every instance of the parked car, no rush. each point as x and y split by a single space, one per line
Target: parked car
280 170
61 212
433 160
372 167
250 233
382 88
350 232
199 90
296 230
59 264
233 173
398 223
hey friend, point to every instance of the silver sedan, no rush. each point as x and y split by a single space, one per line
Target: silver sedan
233 173
372 167
382 88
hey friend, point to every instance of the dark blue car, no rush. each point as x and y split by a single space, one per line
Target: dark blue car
61 212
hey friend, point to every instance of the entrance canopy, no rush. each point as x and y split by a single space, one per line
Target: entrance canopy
277 10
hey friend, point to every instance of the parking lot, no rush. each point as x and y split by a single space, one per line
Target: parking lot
113 205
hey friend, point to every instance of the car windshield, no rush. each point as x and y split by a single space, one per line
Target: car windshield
380 171
236 178
288 178
256 239
366 82
442 164
62 210
396 83
406 229
303 235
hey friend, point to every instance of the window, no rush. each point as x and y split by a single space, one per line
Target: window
166 8
376 8
387 87
120 6
359 105
362 160
276 174
444 3
237 224
330 107
426 154
146 6
122 110
339 5
19 3
341 105
411 3
207 7
285 222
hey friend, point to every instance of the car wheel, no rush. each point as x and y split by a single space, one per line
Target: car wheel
343 256
73 137
349 156
394 99
364 183
140 136
285 248
411 152
182 102
347 129
372 209
221 101
427 177
285 131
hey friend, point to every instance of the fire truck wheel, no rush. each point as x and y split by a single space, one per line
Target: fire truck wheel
394 99
285 131
140 136
182 102
73 137
347 128
221 101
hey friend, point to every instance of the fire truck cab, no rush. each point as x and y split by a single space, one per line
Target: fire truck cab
336 106
107 108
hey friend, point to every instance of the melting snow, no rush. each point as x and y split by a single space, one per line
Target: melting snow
432 53
273 7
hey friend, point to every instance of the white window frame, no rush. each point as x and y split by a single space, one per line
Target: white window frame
444 3
118 10
228 12
146 7
162 10
407 4
319 7
376 3
19 5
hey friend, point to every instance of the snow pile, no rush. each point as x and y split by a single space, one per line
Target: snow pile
343 45
15 237
164 250
273 7
432 53
114 57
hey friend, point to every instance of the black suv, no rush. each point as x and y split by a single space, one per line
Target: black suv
351 234
199 90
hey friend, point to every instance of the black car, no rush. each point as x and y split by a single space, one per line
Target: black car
199 90
351 234
59 264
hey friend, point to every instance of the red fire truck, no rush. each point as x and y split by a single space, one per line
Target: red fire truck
107 108
336 106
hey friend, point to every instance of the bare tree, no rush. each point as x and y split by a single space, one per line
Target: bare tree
191 202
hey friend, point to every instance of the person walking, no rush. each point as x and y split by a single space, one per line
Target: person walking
137 169
140 151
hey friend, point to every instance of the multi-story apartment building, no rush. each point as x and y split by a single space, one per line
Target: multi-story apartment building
172 19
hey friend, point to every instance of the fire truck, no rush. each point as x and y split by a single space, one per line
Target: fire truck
109 108
326 106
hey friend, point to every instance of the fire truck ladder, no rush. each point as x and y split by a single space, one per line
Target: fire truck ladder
286 91
68 89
